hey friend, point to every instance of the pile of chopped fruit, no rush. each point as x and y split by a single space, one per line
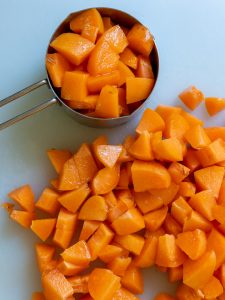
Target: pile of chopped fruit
157 199
100 68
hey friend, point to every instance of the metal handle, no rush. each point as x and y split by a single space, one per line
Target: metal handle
29 112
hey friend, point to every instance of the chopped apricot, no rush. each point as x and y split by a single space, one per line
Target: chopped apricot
176 127
106 180
85 163
43 227
129 222
89 227
193 243
108 155
57 65
23 218
149 175
212 153
69 269
65 227
150 121
72 200
133 280
196 221
96 83
48 201
132 242
168 150
186 189
138 89
116 38
90 17
191 160
147 202
95 209
73 46
214 105
165 111
69 177
44 255
140 39
148 253
109 252
24 196
216 242
119 265
171 226
89 32
180 210
74 86
55 285
210 179
102 284
107 105
141 148
88 102
154 219
198 272
144 67
103 59
197 137
166 194
168 253
215 133
101 238
212 289
204 202
77 254
191 97
178 172
129 58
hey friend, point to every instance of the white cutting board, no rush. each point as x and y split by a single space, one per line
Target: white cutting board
190 36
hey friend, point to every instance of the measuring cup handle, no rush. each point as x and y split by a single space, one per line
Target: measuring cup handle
30 111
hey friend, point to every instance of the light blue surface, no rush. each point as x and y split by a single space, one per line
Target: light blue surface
190 36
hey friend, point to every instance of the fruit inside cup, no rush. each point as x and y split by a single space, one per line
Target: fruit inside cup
101 68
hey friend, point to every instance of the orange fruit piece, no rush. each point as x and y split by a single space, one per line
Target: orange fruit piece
191 97
43 228
103 59
108 155
94 209
24 196
138 89
214 105
77 254
57 65
129 58
74 86
73 47
140 39
88 17
116 38
102 284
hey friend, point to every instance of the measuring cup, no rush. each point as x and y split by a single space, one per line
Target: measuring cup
118 17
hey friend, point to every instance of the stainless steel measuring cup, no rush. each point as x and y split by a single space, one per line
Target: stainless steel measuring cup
118 17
